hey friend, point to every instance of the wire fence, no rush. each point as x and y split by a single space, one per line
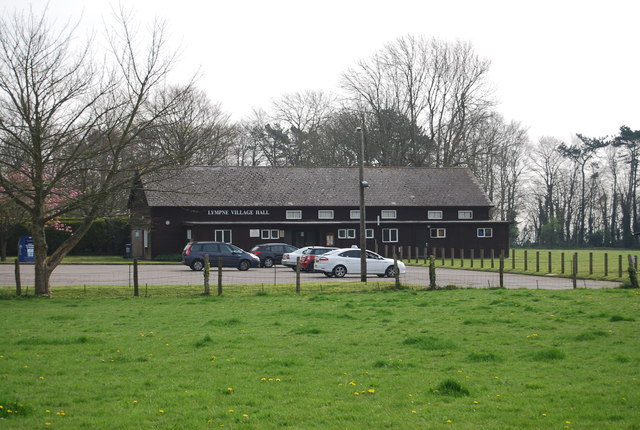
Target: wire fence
134 279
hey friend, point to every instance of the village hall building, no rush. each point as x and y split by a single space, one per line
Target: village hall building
443 208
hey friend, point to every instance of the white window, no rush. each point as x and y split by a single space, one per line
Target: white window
438 233
297 214
347 233
354 214
389 234
434 214
325 214
270 234
368 233
485 232
465 214
388 214
223 236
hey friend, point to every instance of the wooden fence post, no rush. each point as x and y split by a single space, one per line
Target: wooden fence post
606 264
619 265
395 269
219 276
502 270
17 275
453 252
472 252
493 255
550 263
425 254
575 270
443 257
432 272
590 263
408 252
633 273
297 275
537 261
461 257
206 272
417 253
135 277
513 259
482 258
562 263
526 261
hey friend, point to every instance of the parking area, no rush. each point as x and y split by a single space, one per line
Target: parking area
177 274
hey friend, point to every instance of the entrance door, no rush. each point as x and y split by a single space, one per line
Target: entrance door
305 238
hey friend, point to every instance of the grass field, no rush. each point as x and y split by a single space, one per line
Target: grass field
459 359
603 264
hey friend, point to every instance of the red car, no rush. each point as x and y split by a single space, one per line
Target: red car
307 260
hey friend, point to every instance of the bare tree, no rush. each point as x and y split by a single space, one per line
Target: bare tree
196 128
440 88
69 127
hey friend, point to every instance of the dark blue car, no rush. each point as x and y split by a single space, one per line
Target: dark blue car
230 255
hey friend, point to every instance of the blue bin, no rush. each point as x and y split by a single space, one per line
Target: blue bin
25 249
127 250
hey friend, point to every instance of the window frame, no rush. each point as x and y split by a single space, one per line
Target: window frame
387 233
352 213
437 231
465 212
369 233
434 214
223 232
484 231
346 233
291 212
328 212
390 214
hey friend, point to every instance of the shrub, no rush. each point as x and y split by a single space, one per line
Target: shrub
449 387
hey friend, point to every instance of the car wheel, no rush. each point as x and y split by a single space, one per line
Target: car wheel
339 271
328 275
268 262
244 265
390 272
197 265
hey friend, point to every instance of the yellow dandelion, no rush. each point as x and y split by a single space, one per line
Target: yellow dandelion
414 412
161 411
449 421
135 402
25 367
371 391
356 393
352 383
263 379
475 402
231 411
41 377
278 379
245 415
544 415
47 411
229 389
47 423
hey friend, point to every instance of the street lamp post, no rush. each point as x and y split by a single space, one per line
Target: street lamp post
362 184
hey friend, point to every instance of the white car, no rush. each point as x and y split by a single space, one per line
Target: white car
347 260
290 258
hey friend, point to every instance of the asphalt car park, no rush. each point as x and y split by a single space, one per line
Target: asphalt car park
177 274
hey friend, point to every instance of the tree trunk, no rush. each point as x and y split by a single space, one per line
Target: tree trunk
42 272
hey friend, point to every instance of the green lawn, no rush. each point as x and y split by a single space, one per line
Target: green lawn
459 359
605 264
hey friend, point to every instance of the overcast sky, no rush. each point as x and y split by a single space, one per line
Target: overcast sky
558 67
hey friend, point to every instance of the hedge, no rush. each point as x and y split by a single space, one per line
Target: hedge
107 236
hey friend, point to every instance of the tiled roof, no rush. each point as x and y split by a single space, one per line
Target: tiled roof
317 186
